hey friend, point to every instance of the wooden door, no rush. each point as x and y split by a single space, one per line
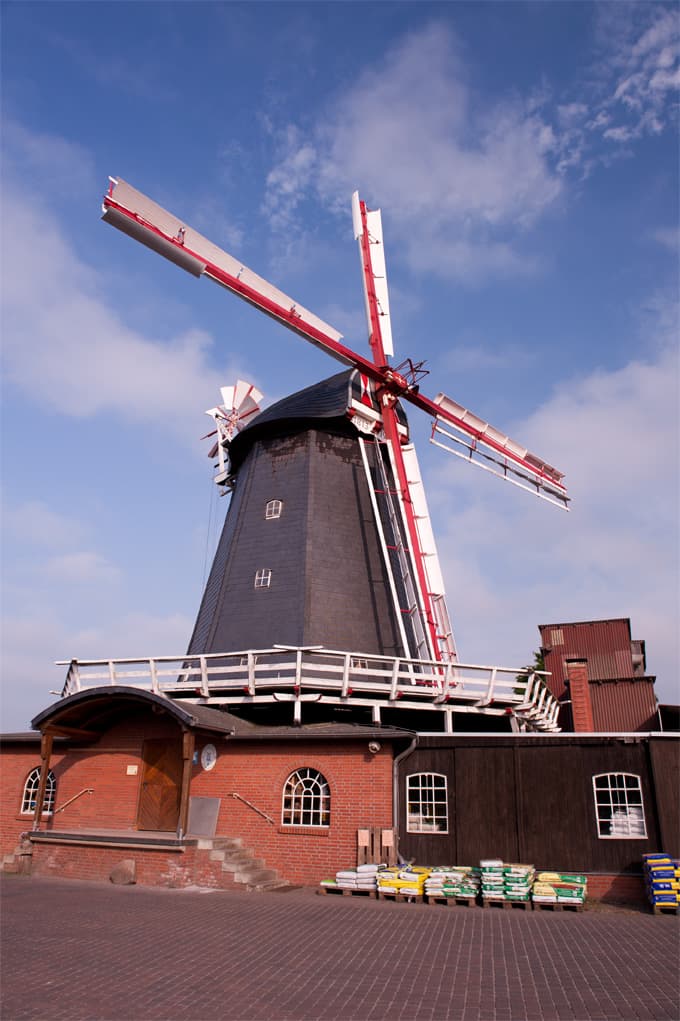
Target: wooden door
159 797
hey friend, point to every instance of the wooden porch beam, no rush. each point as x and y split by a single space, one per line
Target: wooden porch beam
188 745
45 755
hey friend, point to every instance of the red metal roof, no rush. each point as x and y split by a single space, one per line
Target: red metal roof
625 704
605 644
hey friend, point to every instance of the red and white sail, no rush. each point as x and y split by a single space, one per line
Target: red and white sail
455 428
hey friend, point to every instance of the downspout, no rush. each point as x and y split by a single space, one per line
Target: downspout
395 784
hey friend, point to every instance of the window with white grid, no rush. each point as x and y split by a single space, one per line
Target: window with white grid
619 808
263 578
31 792
427 803
273 509
306 799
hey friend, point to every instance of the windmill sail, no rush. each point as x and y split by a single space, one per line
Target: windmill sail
490 449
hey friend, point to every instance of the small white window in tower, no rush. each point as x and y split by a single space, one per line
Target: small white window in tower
556 636
273 509
263 578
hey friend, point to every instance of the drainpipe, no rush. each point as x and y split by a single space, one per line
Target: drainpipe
395 782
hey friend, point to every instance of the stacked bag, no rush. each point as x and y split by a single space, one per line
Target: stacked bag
559 888
517 882
662 879
492 879
404 879
363 877
453 881
505 880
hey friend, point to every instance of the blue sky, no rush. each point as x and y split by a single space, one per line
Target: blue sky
525 159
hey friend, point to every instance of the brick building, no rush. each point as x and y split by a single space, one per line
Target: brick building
309 717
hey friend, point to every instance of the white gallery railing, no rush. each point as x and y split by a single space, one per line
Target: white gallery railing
292 673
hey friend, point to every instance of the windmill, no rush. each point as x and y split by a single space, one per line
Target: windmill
365 402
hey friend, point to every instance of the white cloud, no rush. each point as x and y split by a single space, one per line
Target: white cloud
83 567
33 641
33 523
644 61
66 347
616 436
450 164
408 130
62 166
668 237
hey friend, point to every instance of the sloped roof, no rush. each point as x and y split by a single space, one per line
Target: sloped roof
95 710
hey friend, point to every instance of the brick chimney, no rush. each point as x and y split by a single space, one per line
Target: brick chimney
581 706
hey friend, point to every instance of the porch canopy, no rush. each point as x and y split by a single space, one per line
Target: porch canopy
84 717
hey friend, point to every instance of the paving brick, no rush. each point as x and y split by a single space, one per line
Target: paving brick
88 951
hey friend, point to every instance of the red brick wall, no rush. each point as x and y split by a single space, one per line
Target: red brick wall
17 763
153 868
616 889
361 795
581 706
360 787
101 766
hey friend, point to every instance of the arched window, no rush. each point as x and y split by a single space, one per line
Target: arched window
273 509
263 578
427 809
31 792
306 799
619 809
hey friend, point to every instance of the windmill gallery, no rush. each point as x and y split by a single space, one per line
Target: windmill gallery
321 710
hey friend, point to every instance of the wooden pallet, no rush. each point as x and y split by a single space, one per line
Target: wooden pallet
440 898
375 846
496 902
324 890
547 906
665 909
403 898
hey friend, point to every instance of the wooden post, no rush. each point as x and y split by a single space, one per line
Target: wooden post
188 743
45 755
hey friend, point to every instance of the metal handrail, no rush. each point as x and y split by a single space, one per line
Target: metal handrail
254 807
85 790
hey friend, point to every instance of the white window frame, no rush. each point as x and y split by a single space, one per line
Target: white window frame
306 800
427 803
30 791
619 806
273 510
263 578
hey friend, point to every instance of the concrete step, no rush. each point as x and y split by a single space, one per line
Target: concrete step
239 862
231 854
227 843
269 884
219 843
253 876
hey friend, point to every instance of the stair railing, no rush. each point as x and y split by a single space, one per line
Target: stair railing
85 790
254 807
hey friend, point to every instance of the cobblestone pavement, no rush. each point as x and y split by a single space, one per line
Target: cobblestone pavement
94 952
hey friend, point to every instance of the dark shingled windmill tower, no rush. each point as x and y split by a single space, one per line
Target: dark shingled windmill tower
300 561
327 543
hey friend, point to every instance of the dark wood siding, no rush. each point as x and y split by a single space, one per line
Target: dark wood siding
532 800
552 800
665 764
487 811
